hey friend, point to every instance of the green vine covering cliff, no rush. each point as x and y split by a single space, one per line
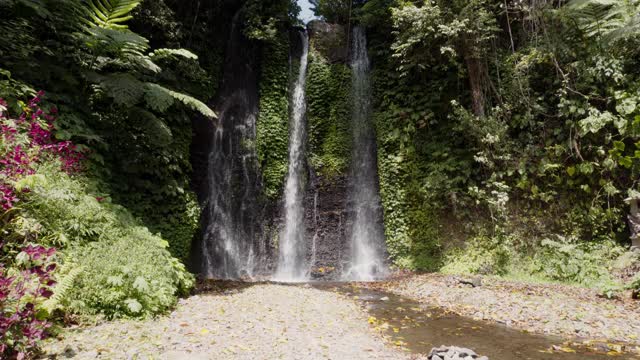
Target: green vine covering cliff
408 186
148 167
154 182
329 112
272 134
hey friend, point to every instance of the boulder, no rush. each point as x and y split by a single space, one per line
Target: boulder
330 40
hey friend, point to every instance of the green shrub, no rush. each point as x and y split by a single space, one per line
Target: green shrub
59 209
564 260
126 270
131 276
176 218
488 255
583 263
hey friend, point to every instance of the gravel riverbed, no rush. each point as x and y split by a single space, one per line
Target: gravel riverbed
260 321
274 321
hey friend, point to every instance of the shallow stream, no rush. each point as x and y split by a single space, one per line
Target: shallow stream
419 328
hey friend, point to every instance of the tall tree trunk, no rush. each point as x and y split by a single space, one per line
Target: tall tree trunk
476 74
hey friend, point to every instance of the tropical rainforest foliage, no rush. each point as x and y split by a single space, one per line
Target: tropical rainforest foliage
516 118
97 211
507 132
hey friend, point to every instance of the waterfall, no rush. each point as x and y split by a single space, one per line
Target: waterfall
292 264
367 243
229 249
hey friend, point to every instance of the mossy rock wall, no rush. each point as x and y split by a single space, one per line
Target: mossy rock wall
272 136
408 183
329 112
330 40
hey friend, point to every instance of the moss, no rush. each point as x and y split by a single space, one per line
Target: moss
178 222
393 177
273 120
410 217
153 181
411 222
329 111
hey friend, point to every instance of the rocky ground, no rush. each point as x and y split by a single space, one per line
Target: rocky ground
261 321
545 309
271 321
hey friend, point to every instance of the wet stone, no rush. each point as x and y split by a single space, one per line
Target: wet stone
69 352
454 353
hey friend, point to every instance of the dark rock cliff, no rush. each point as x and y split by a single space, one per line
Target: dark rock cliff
331 40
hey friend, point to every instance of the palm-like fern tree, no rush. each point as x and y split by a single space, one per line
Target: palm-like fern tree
132 84
609 20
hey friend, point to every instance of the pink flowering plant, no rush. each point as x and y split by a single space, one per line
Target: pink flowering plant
27 140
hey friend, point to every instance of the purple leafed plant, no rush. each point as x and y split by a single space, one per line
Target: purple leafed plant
27 140
22 289
18 157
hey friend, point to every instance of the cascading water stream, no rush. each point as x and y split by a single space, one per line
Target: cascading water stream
367 252
229 249
292 264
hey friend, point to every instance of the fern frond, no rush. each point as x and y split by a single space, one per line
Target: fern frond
174 53
142 62
629 30
117 41
158 98
123 48
157 93
154 127
125 89
111 14
607 19
69 274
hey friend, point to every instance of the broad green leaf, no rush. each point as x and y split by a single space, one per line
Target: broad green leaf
133 305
